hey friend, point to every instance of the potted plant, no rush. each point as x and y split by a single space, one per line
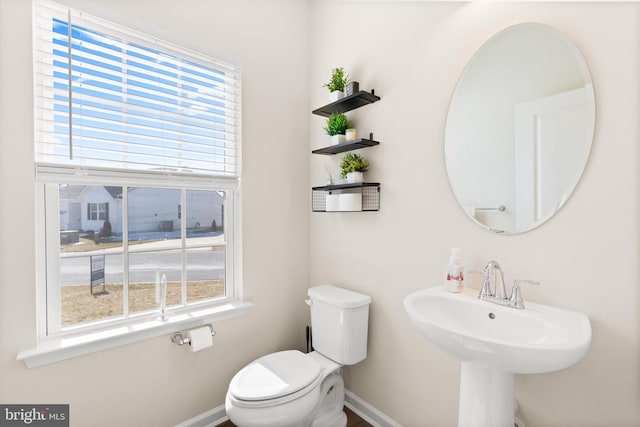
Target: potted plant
337 84
353 166
337 125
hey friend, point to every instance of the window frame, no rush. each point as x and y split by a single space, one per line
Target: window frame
58 344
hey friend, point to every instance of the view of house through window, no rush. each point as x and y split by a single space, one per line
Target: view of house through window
188 251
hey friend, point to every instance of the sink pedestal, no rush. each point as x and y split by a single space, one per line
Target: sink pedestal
486 396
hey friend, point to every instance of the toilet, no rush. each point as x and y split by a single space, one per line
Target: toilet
290 388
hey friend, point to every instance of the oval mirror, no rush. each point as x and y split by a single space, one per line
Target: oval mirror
519 128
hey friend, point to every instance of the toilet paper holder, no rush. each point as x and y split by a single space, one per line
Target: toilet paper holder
180 339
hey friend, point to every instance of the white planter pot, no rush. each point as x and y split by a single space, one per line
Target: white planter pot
335 95
353 177
338 139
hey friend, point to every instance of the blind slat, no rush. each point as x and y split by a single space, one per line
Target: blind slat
149 162
169 131
46 63
161 64
150 69
173 148
109 102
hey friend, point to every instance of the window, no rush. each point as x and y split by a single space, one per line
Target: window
128 128
98 211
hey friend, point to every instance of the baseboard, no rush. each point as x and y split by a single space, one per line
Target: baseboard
367 412
373 416
211 418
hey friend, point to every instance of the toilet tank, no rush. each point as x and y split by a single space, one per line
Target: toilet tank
340 323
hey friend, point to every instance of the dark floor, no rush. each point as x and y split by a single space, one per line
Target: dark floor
352 420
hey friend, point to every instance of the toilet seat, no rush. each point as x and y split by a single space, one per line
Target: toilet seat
275 379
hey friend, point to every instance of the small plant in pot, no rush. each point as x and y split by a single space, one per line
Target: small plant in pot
337 125
337 84
353 166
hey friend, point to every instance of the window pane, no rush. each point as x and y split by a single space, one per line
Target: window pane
80 301
90 217
146 270
152 214
205 217
205 224
90 226
205 273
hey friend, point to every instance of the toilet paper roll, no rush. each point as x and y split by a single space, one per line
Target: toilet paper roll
332 202
200 338
351 202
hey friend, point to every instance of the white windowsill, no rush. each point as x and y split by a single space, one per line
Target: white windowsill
61 348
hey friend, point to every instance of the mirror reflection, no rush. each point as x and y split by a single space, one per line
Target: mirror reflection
519 128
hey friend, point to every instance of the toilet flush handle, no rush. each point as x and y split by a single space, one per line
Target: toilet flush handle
309 302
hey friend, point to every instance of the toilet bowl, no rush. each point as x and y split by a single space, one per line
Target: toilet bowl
293 389
287 389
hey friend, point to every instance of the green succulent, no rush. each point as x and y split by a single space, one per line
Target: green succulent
338 80
337 123
352 162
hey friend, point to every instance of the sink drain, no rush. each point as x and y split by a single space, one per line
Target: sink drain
492 316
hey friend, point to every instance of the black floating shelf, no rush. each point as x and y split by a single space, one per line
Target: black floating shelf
348 103
369 191
346 146
346 186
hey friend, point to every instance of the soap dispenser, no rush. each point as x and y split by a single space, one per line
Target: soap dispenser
455 272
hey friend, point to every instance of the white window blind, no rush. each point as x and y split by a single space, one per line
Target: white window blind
108 97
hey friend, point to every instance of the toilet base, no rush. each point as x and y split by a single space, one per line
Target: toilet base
330 412
332 419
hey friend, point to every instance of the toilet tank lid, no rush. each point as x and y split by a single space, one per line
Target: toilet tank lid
338 297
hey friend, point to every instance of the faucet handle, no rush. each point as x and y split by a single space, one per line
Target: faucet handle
516 294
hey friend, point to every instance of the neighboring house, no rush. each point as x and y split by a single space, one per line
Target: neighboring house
159 209
87 207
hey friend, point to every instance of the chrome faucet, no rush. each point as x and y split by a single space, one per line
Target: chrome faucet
493 268
500 294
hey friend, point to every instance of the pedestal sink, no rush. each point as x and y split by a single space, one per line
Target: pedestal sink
494 343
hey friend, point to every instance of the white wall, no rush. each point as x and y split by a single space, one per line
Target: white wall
586 256
156 383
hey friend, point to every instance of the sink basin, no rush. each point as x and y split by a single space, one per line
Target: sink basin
494 343
536 339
